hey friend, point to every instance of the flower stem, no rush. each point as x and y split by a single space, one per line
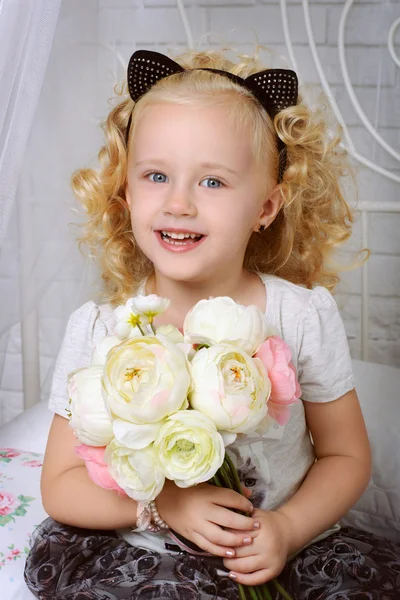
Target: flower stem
227 480
260 593
281 590
253 593
232 469
227 476
141 330
216 480
264 592
153 328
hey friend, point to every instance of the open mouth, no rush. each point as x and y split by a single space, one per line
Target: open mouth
180 238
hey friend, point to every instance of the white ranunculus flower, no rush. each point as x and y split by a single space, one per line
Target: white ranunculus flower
135 436
127 321
175 336
221 319
150 306
172 333
137 472
145 379
89 418
189 448
101 350
231 387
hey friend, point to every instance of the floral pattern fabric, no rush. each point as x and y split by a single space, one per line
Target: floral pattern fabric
20 512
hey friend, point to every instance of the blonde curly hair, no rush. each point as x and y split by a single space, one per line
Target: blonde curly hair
314 219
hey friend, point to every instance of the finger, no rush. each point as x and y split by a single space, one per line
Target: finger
248 549
246 491
220 537
253 534
231 499
231 520
246 564
255 578
208 546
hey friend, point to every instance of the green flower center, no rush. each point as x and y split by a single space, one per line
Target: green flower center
184 446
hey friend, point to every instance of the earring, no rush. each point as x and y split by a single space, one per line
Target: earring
261 229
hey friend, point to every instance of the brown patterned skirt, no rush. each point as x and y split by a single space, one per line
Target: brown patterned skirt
68 563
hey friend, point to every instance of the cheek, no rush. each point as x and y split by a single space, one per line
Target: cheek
141 208
140 223
239 219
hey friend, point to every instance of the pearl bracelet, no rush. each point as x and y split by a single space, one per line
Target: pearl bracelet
149 518
157 522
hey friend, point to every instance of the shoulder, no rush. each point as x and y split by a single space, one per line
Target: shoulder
91 320
290 300
310 323
86 326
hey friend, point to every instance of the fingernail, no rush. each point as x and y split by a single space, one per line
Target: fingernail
251 508
230 553
247 540
256 525
232 576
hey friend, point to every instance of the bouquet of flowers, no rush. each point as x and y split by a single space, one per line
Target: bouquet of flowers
159 403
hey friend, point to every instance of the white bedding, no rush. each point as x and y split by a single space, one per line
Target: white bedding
377 511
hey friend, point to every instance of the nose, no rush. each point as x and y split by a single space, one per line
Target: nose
179 202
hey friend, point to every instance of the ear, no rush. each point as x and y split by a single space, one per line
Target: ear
270 208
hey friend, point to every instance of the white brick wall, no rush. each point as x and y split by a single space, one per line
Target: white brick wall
80 78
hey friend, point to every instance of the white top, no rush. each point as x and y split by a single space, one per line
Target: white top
275 464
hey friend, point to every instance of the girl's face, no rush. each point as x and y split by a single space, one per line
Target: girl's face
195 191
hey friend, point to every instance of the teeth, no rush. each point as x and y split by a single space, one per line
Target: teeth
179 236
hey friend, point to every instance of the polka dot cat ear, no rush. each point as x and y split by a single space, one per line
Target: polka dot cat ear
147 68
275 89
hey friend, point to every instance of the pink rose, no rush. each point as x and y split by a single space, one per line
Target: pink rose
7 503
33 463
9 453
285 389
97 468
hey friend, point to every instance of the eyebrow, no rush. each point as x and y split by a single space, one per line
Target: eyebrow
205 165
210 165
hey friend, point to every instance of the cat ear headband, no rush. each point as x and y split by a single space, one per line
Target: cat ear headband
275 89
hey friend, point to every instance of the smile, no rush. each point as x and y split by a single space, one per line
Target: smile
179 241
180 238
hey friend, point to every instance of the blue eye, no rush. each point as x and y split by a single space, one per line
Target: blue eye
211 183
157 177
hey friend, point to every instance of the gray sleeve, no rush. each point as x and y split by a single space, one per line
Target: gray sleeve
324 365
84 329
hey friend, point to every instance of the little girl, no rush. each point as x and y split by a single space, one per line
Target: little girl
216 180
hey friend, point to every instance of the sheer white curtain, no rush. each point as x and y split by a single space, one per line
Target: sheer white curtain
26 34
43 277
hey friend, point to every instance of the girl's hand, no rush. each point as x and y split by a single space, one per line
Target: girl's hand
265 558
204 514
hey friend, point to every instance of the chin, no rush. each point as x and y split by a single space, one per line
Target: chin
181 275
184 268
